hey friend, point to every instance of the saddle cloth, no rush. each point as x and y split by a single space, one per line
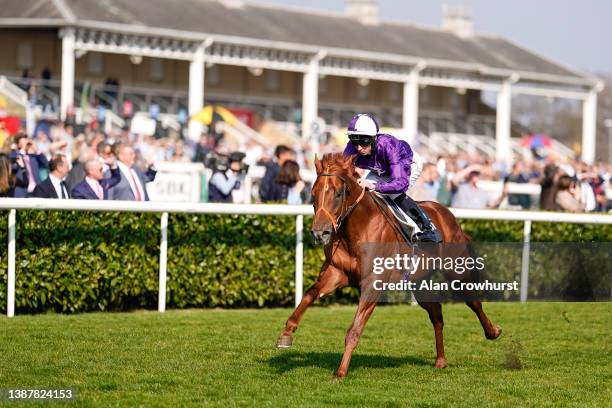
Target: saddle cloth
407 224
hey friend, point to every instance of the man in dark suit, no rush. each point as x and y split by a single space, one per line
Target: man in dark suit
54 185
34 161
94 186
269 189
132 186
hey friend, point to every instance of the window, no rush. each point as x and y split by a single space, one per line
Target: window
454 98
157 69
272 80
322 84
213 75
362 91
425 95
395 91
94 63
24 55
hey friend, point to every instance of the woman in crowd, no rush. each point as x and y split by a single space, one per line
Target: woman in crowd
290 176
568 197
12 176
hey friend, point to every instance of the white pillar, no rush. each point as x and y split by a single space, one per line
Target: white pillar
503 150
411 105
67 80
310 97
196 91
589 126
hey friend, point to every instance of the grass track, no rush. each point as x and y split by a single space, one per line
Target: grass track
226 357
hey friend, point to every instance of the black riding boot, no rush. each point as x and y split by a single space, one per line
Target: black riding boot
412 209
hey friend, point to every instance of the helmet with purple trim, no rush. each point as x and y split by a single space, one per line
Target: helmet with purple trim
363 129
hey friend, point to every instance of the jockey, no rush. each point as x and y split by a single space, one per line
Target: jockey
393 166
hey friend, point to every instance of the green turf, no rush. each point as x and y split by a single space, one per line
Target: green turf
226 357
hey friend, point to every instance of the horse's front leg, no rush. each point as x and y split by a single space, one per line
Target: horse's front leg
330 279
435 316
364 311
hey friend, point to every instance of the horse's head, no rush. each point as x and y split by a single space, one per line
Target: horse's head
333 194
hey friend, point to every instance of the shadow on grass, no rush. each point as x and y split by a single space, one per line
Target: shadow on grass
289 360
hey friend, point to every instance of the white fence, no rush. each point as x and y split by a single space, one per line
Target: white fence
14 204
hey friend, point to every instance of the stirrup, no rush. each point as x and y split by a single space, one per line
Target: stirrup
428 235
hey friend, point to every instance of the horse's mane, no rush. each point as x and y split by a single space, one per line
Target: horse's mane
333 159
337 163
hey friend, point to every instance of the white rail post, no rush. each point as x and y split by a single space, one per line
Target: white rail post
163 263
525 260
10 299
299 258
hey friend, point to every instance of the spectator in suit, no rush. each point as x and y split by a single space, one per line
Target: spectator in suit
518 175
54 185
12 175
132 186
77 173
269 189
34 162
94 186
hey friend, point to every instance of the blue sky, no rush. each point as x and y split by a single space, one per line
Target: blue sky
575 33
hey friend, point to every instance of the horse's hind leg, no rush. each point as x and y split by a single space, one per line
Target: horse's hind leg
491 332
435 316
330 279
364 311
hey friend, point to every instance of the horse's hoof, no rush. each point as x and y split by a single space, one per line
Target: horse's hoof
496 333
441 363
340 374
284 341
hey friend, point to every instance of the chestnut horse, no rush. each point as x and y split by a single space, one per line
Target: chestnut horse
345 216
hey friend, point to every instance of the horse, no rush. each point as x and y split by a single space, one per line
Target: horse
345 216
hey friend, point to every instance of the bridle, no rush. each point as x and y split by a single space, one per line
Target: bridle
337 222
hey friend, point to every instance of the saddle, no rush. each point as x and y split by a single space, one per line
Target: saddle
408 228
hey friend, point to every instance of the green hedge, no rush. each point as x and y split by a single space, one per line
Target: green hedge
77 261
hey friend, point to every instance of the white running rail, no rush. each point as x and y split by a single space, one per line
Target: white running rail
299 211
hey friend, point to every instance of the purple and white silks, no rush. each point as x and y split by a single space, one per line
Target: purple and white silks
391 160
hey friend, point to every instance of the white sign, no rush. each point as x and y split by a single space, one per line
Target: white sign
142 125
177 182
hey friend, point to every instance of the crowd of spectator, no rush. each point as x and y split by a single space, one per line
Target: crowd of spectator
57 164
64 161
564 185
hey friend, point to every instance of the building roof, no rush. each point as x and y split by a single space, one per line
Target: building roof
287 25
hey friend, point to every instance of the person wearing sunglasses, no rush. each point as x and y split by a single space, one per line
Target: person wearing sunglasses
393 167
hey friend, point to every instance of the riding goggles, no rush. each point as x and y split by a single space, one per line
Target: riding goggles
361 140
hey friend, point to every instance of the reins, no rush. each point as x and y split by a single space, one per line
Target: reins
337 222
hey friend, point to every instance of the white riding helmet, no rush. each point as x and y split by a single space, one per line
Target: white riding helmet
363 124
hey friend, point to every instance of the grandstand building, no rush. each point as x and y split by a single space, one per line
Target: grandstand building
285 63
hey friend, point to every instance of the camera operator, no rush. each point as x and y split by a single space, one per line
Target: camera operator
227 182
